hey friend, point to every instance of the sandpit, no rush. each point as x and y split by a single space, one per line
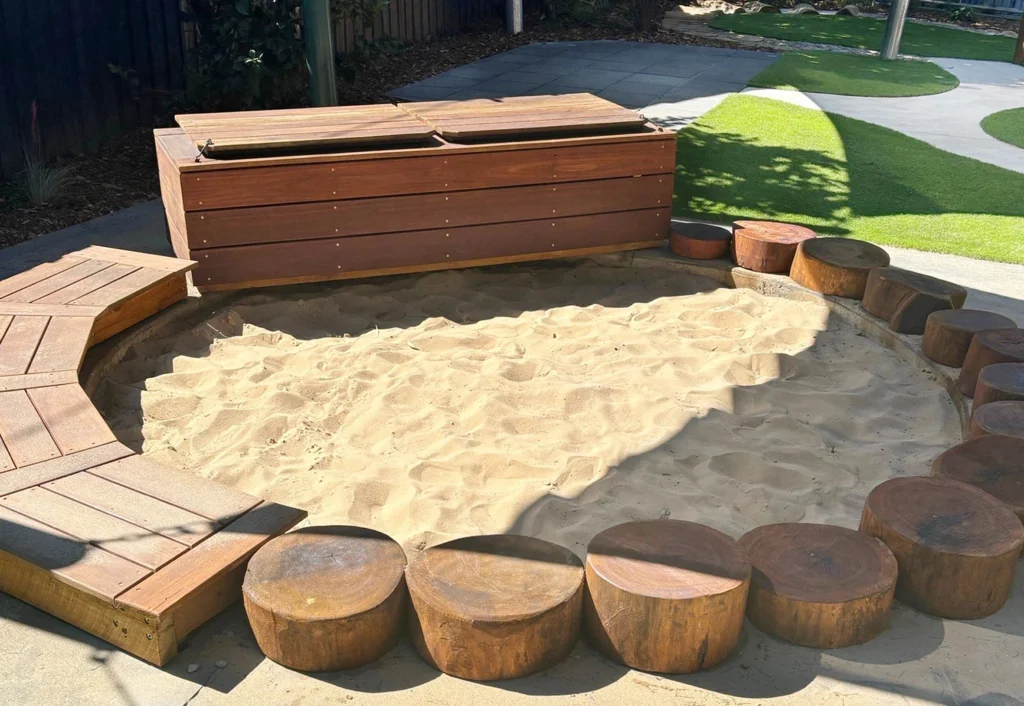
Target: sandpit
547 400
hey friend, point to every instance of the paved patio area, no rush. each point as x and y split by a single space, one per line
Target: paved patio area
632 74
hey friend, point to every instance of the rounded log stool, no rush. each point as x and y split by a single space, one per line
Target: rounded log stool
906 299
767 246
495 606
956 546
1004 418
948 334
700 241
665 595
1002 381
326 598
836 266
993 463
819 585
1002 345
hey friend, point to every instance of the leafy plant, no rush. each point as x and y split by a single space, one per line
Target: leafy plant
43 184
962 14
644 13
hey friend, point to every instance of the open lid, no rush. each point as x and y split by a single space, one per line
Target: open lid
303 129
525 116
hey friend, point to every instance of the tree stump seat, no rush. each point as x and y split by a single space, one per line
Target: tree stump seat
1003 345
665 595
819 585
700 241
993 463
906 299
948 333
957 547
1001 381
326 598
1005 418
767 246
836 266
495 606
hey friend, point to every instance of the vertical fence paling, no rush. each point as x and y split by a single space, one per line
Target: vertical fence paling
418 20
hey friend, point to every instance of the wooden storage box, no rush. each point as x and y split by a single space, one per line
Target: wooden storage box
317 194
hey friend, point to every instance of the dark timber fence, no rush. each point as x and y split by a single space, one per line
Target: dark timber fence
56 55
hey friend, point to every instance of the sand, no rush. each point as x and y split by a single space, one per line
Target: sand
552 401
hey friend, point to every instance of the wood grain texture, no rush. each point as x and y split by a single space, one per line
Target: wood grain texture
836 266
19 344
767 246
110 273
1005 417
819 585
905 299
23 431
25 382
993 463
58 281
133 308
70 418
1004 345
61 466
326 598
63 345
139 259
665 595
15 283
496 606
1000 381
948 333
700 241
6 462
957 546
38 309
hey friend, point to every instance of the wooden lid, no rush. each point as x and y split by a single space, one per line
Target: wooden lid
816 563
524 116
846 253
1008 377
670 559
1005 341
971 319
946 516
496 578
1004 417
303 128
992 462
324 573
774 232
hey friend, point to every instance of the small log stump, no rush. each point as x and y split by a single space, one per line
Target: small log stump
948 333
495 606
1005 417
956 545
819 585
905 299
1001 345
767 246
1002 381
836 266
994 464
326 598
700 241
665 595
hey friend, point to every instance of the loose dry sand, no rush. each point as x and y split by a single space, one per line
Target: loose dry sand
553 401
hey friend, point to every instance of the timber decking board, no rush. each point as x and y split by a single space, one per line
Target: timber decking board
63 344
20 342
6 462
46 471
89 284
30 380
70 418
263 224
56 282
23 431
122 288
139 259
37 309
27 278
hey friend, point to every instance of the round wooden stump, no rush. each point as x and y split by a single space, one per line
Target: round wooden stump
1003 345
948 334
819 585
1004 418
665 595
906 299
495 606
836 266
956 546
993 463
700 241
326 598
767 246
1002 381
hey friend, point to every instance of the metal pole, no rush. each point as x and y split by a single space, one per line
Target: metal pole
319 31
514 16
894 28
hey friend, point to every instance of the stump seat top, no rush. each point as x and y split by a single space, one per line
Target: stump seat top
774 232
970 319
1003 417
844 253
994 463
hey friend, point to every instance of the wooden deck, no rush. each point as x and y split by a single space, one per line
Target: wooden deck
131 551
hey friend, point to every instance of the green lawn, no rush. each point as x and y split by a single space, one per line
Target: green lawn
765 159
1006 125
866 33
853 75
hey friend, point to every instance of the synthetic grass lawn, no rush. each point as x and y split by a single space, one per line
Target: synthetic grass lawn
765 159
1006 125
853 75
866 33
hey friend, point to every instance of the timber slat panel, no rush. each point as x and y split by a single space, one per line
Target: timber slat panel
139 259
70 417
197 495
23 431
46 471
139 509
121 289
63 344
20 342
17 282
264 224
440 171
79 289
72 561
28 381
6 462
116 536
37 309
58 281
